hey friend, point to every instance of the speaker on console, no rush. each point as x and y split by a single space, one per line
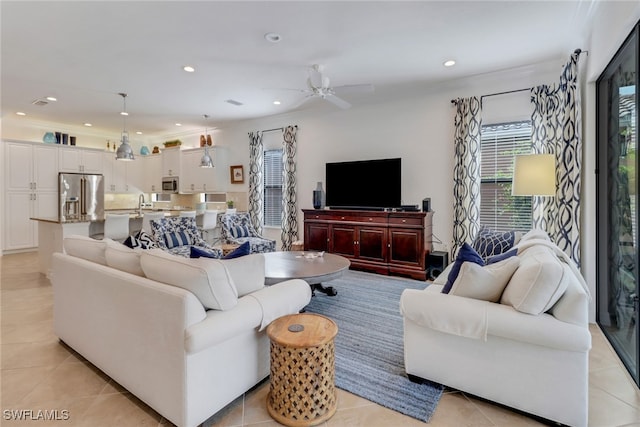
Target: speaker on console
426 204
438 261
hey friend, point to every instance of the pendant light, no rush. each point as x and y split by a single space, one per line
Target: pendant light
206 161
124 150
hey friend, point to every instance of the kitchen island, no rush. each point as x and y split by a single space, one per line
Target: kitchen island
52 231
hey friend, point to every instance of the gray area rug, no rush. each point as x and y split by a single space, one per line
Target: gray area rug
369 344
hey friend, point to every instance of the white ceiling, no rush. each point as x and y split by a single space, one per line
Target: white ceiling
85 52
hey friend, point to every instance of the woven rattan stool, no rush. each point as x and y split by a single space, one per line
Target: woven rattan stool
302 390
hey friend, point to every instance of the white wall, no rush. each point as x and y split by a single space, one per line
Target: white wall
419 129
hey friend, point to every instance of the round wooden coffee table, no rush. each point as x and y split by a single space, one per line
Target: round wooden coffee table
302 384
308 266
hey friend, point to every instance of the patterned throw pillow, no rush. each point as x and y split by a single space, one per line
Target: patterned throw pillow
489 243
140 240
238 231
177 238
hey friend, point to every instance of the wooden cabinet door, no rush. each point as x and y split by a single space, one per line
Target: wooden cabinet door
406 246
316 237
342 240
372 244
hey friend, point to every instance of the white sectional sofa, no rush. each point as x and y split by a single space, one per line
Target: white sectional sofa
186 336
528 350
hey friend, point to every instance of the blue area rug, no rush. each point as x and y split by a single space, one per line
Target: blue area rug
369 344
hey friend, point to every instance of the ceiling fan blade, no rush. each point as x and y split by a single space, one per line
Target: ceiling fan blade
359 88
337 101
303 101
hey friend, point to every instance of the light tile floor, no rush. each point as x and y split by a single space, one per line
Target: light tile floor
40 373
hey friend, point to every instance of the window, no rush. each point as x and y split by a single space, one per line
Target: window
499 143
273 171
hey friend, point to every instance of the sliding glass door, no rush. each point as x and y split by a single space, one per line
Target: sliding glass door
617 199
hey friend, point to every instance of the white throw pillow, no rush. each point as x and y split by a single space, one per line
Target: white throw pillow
206 278
484 283
86 248
247 273
537 284
123 258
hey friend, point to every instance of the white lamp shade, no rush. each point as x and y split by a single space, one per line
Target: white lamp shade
534 175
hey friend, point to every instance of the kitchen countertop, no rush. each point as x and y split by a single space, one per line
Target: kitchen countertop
133 214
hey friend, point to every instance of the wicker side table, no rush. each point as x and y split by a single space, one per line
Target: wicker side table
302 390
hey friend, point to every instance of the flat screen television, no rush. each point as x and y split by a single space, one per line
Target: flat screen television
364 184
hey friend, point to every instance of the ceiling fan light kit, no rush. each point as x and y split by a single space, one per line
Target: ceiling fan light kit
319 86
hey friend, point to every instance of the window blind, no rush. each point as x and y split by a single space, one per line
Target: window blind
499 143
273 172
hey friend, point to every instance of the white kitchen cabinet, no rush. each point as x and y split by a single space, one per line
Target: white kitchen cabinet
81 160
120 176
195 179
151 167
171 162
31 167
31 184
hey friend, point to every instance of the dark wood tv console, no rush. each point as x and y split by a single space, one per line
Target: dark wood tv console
383 242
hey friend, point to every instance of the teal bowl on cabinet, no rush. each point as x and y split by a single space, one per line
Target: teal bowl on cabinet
144 151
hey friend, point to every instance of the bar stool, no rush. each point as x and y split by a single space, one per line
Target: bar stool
148 217
116 226
209 222
188 214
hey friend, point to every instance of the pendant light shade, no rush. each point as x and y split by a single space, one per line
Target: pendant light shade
124 152
206 161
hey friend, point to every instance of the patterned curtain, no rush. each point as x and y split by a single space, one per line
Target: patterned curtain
289 232
466 172
256 183
557 124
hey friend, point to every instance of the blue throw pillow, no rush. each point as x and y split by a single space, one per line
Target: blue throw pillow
502 257
465 254
489 243
174 239
242 250
197 252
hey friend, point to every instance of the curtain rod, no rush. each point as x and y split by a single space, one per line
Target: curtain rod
577 52
271 130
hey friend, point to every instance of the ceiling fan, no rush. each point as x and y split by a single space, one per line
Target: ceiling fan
318 86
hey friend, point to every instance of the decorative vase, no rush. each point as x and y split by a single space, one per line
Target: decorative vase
203 141
49 138
318 196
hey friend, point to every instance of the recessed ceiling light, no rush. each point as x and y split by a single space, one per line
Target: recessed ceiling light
138 133
188 68
273 37
88 125
449 63
276 102
52 98
124 113
178 124
20 113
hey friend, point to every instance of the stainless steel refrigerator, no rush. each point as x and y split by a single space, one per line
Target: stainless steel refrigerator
81 196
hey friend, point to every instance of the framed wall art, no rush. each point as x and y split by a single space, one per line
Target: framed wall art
237 174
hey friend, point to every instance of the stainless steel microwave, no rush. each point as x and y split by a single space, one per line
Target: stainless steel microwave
170 184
